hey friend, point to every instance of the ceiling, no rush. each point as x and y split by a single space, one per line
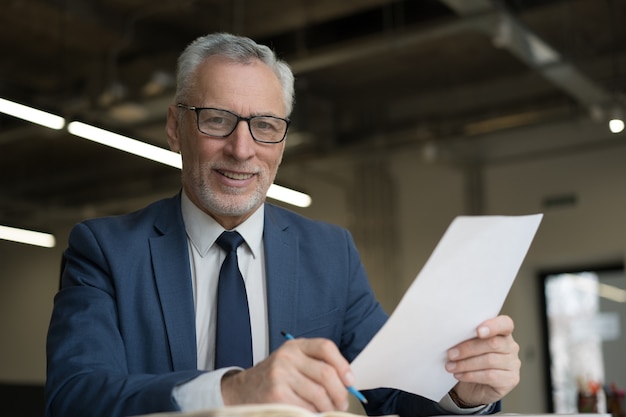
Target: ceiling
371 75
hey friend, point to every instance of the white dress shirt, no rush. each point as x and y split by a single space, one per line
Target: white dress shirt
205 258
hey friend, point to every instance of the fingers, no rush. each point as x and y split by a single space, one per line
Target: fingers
326 371
498 380
486 386
501 325
305 372
505 360
326 351
494 335
489 363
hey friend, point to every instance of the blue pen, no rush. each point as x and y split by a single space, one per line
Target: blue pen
351 389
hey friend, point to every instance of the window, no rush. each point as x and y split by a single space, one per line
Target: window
585 315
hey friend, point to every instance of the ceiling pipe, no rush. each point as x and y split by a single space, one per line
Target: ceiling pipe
505 30
511 34
374 46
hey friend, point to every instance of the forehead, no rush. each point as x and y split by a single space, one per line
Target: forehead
248 88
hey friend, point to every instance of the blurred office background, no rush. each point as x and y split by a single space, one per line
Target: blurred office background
408 113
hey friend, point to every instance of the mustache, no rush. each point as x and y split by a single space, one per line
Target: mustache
235 167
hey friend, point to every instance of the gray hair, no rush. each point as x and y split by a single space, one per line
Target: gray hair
239 49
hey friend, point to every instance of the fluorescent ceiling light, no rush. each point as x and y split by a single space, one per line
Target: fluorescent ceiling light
170 158
126 144
32 115
27 236
287 195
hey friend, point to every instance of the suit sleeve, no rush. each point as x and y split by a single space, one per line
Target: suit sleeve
88 369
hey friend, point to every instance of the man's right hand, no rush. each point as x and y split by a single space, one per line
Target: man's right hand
310 373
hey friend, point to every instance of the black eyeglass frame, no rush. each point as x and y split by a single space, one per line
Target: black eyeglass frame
239 119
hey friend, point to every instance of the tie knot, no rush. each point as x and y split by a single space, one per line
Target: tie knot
229 241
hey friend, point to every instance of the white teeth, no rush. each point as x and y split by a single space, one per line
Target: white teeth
236 176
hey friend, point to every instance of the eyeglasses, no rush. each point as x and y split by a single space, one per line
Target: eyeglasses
222 123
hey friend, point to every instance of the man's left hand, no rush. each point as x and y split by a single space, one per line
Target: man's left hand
487 367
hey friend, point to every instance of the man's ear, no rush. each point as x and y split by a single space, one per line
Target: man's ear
171 128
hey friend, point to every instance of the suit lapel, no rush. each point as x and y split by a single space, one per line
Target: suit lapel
173 280
281 260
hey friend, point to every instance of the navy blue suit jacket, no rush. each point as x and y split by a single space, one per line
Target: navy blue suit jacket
122 332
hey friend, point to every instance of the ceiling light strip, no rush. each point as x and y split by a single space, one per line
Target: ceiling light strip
27 236
287 195
126 144
31 114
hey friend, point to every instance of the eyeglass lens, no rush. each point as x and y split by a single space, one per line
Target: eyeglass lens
221 123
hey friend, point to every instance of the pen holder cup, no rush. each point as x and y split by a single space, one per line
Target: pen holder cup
587 403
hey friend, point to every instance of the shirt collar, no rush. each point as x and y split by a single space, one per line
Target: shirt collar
202 229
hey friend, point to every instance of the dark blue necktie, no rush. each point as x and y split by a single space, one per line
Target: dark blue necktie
233 338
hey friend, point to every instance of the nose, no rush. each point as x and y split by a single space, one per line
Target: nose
240 143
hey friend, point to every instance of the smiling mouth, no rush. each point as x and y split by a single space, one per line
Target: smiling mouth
236 175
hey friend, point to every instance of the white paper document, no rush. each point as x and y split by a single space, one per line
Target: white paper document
464 282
